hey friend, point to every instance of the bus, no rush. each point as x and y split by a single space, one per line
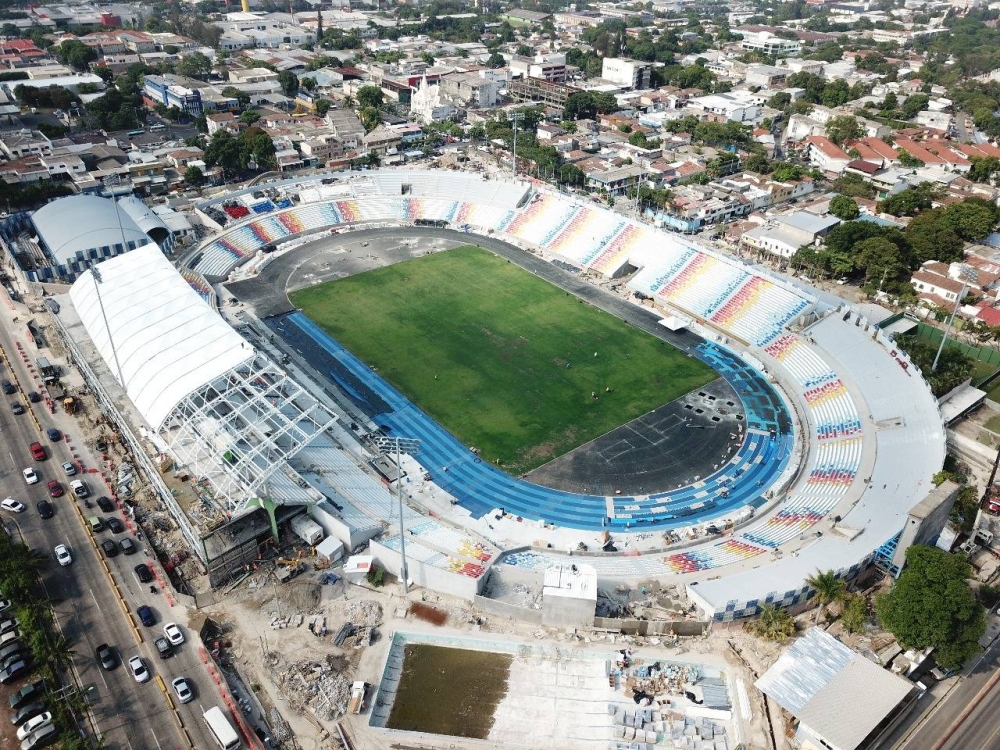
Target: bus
135 133
221 729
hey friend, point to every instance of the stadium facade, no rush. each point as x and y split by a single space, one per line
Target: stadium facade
870 432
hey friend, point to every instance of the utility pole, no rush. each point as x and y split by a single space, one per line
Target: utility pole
516 117
410 446
968 275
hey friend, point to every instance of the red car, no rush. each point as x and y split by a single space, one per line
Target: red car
55 489
37 451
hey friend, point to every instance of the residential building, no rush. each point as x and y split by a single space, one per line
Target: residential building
21 143
726 106
627 73
826 155
470 89
769 44
766 76
173 91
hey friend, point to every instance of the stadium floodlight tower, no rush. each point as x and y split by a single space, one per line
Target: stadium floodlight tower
968 276
411 447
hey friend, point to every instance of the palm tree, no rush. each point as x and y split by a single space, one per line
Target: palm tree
772 623
829 588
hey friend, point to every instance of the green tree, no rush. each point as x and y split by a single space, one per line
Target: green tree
772 623
844 208
972 219
953 366
931 605
881 259
829 588
910 201
843 128
196 65
854 613
579 106
369 96
322 107
194 177
289 83
933 239
242 97
76 54
495 61
249 117
983 169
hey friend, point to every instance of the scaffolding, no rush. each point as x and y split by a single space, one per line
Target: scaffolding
241 427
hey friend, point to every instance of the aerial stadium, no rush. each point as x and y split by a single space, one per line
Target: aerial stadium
578 383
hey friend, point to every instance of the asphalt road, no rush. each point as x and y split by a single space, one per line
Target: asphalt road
946 727
129 716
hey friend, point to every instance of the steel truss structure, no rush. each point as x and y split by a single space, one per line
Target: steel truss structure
241 427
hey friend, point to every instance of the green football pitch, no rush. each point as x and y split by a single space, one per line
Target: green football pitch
505 361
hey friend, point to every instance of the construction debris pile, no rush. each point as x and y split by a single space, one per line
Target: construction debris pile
366 613
315 686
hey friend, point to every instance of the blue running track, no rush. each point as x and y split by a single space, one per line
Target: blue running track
480 487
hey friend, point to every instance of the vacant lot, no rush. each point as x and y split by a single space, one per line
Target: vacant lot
505 361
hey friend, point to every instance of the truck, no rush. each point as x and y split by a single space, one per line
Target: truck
307 529
221 729
357 703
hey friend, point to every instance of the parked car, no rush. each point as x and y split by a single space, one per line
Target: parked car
30 476
26 712
11 649
12 505
9 624
69 469
173 633
142 573
105 504
96 524
63 555
55 489
109 547
128 546
45 509
164 649
37 451
16 670
25 695
182 688
106 657
34 724
116 526
146 615
138 669
42 737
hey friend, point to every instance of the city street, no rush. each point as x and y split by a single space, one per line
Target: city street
87 608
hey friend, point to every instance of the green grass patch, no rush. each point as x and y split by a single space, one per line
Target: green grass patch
502 359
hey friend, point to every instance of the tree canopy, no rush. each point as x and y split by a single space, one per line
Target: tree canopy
931 605
844 208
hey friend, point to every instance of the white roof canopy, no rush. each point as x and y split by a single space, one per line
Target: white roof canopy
167 342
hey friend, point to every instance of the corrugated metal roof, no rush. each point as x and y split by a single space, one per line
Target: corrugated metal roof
804 669
835 692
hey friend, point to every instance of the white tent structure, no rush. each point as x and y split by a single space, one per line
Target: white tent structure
224 410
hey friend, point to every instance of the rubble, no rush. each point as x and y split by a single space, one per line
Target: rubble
316 686
364 613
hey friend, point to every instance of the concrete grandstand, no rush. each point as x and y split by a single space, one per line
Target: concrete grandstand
826 496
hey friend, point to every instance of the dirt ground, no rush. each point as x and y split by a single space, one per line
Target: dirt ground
265 652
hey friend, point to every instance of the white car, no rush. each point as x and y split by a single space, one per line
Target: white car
183 689
69 468
79 488
34 723
173 634
138 668
63 555
30 476
12 505
5 604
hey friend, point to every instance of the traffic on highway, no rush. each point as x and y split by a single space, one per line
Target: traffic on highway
91 648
